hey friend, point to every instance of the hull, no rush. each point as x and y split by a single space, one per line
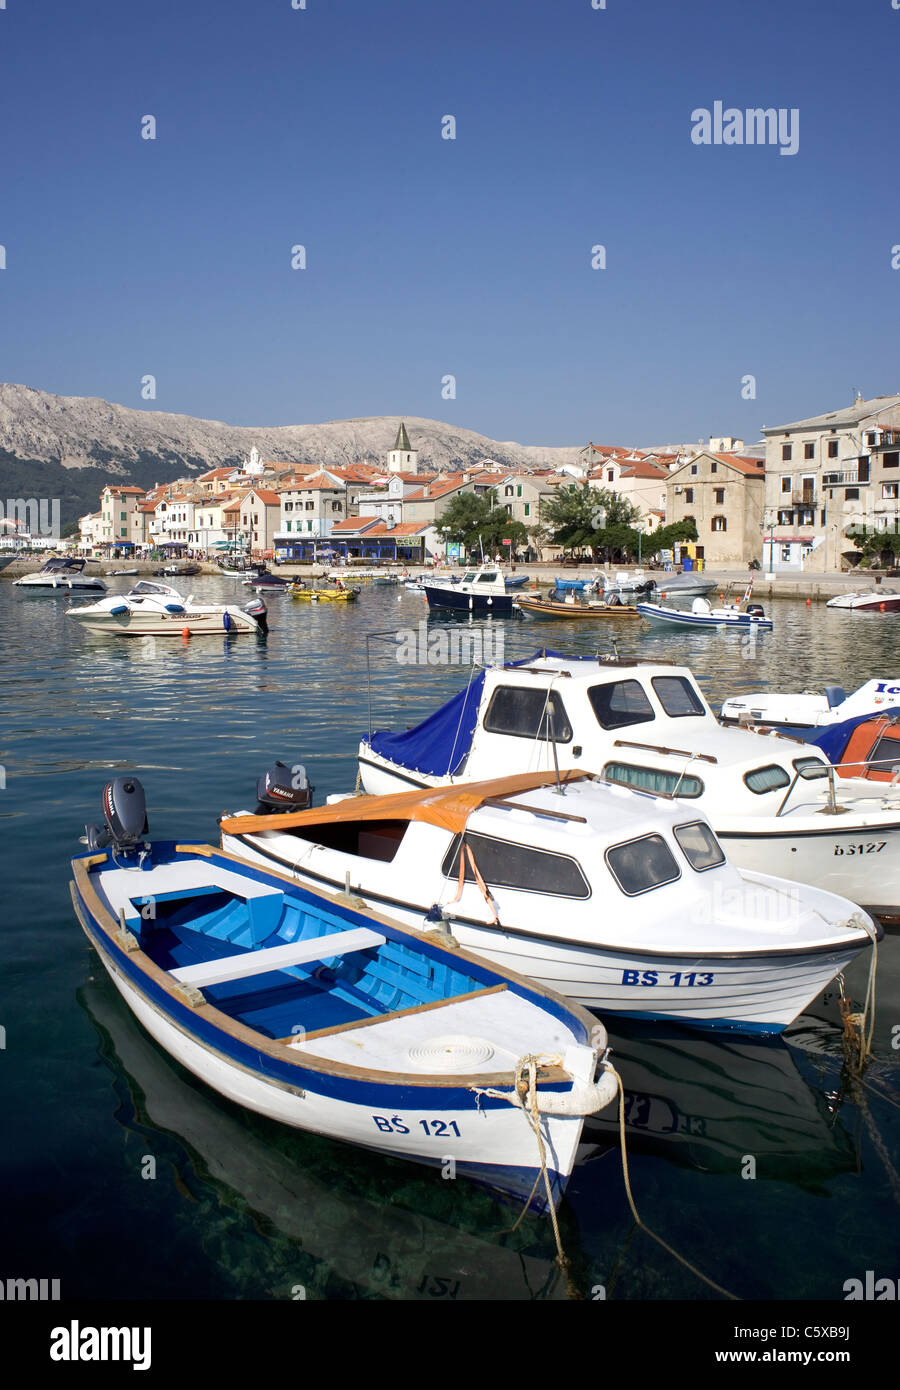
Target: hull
671 617
691 588
450 597
63 586
547 608
859 861
144 625
867 602
317 1083
760 994
324 595
493 1159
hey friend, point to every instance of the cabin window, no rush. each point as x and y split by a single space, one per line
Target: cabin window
767 779
527 713
652 779
699 845
503 864
489 578
639 865
620 703
886 753
810 768
677 696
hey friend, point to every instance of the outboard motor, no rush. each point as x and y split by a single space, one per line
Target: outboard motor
125 813
283 788
256 608
756 610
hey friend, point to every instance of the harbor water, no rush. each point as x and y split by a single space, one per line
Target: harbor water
753 1159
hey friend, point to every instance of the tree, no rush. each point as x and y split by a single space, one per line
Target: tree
478 522
667 536
581 516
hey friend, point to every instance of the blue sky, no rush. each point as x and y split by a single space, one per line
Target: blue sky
472 257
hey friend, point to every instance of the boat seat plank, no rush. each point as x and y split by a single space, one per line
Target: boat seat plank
216 972
122 886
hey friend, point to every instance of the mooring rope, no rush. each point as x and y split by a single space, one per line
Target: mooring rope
634 1211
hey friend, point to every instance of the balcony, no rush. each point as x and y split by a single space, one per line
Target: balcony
806 498
849 478
885 439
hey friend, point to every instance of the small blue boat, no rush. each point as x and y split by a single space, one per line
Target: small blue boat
323 1015
702 614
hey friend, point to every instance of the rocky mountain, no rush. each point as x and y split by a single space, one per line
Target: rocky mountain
70 446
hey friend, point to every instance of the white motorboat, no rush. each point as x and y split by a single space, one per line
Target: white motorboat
688 585
60 575
874 600
809 709
777 806
702 614
151 609
332 1019
622 901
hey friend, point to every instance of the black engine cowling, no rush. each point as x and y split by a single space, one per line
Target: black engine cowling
125 813
283 788
256 608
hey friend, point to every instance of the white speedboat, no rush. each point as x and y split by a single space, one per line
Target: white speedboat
874 600
702 614
809 709
777 806
624 902
332 1019
682 585
155 610
60 576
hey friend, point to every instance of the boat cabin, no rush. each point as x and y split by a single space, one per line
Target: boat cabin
643 725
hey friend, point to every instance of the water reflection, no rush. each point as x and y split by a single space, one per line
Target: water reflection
706 1103
384 1231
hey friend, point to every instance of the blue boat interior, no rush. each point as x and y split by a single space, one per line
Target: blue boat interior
195 926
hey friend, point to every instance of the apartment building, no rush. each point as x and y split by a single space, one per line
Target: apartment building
724 495
827 476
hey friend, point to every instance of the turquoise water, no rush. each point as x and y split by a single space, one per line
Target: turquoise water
239 1207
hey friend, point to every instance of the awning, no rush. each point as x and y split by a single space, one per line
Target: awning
447 807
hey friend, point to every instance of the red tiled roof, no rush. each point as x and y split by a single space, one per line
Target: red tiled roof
435 490
742 463
265 495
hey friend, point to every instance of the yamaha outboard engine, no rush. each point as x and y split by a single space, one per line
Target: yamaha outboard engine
256 608
125 813
283 788
755 610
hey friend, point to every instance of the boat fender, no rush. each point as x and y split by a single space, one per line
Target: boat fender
174 607
226 620
119 609
582 1098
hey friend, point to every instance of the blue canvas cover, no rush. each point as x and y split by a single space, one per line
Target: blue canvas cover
833 740
439 746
